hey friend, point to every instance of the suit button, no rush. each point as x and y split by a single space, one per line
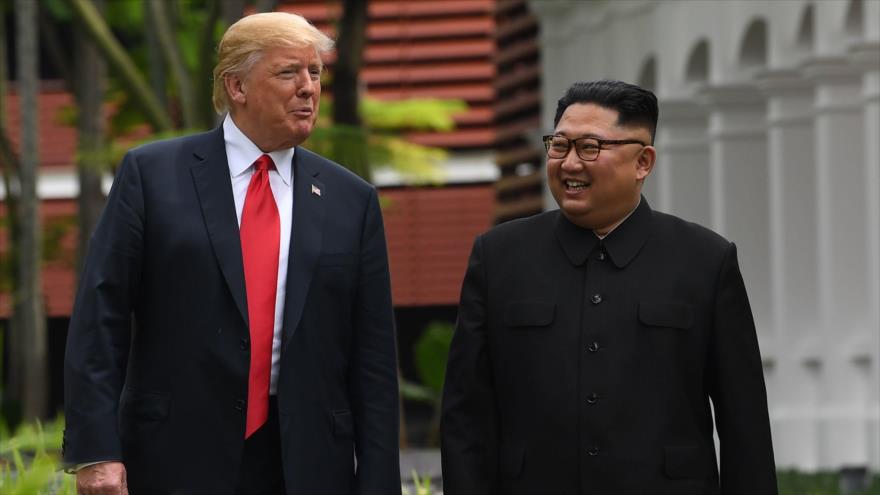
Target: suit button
593 398
601 256
593 451
596 299
594 347
244 344
239 405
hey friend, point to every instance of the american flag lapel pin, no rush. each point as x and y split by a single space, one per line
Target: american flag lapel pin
316 191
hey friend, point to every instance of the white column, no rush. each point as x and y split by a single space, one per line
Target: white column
681 174
738 189
867 57
559 35
842 240
793 257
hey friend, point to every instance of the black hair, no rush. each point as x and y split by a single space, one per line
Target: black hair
635 106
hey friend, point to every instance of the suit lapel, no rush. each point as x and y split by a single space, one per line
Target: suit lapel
210 172
306 236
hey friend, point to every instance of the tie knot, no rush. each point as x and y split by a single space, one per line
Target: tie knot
264 162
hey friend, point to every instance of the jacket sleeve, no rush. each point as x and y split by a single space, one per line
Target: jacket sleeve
100 328
373 375
469 437
736 386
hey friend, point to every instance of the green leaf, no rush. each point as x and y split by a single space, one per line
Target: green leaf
416 113
430 353
419 393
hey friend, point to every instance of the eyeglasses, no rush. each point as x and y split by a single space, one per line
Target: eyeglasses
587 148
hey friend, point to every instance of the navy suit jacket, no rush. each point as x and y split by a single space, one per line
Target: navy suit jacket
157 357
582 366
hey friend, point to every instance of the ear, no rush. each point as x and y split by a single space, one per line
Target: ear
235 88
645 162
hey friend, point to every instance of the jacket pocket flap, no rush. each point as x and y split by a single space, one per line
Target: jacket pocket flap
151 406
666 314
343 424
685 461
529 314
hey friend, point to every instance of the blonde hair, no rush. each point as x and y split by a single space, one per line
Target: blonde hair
242 45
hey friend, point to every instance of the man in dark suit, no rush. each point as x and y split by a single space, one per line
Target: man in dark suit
233 327
591 339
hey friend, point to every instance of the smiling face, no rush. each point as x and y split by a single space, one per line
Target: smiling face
276 103
597 194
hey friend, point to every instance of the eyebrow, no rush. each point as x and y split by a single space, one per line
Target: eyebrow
295 65
587 135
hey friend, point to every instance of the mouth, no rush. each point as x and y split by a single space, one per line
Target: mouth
303 112
572 185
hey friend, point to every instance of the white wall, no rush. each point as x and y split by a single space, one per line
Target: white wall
778 149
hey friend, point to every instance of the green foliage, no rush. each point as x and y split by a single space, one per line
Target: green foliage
376 144
429 354
379 144
431 351
429 114
30 460
34 438
125 15
792 482
422 486
54 231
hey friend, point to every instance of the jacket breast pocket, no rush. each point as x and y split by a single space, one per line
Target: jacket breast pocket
666 314
529 314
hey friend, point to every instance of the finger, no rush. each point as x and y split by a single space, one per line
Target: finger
124 481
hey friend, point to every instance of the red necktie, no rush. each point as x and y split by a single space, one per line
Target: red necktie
260 236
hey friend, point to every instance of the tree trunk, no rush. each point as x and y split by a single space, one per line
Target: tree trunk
155 61
9 164
91 161
30 335
59 54
204 72
174 58
266 5
232 10
87 16
351 150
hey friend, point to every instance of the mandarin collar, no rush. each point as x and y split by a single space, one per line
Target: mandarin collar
622 244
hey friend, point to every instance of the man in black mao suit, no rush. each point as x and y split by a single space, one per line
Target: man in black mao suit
216 244
591 339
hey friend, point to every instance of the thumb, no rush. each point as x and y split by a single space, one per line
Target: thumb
123 488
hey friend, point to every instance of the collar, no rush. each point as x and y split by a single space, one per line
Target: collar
621 220
242 152
621 244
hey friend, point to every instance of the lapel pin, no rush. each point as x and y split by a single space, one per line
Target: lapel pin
316 191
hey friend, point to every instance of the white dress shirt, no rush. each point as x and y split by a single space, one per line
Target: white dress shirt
241 153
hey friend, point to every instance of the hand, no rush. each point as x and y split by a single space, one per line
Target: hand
105 478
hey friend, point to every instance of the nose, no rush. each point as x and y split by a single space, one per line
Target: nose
306 87
572 162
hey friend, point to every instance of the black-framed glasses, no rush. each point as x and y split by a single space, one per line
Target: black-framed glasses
587 148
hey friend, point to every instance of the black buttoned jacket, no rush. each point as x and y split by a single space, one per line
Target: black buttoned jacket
587 366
